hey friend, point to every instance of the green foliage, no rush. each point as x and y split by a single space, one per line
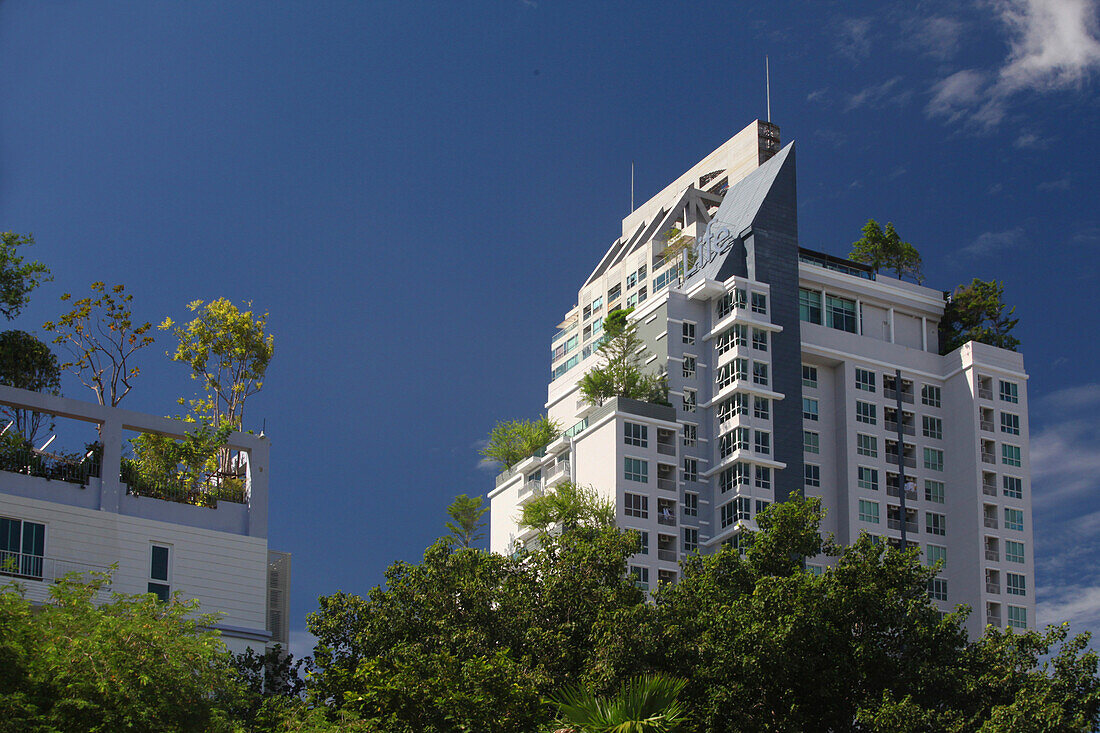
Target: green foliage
272 687
131 663
621 372
645 704
676 245
182 470
510 441
467 526
100 334
18 277
228 350
976 312
885 250
568 506
27 363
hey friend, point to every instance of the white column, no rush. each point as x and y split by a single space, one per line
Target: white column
924 333
892 325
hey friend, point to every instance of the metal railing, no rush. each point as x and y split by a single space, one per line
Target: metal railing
38 567
30 462
232 488
991 522
896 524
668 449
986 425
892 394
994 588
985 393
892 428
533 486
910 461
669 519
989 458
993 619
666 484
993 555
669 555
559 468
989 489
894 491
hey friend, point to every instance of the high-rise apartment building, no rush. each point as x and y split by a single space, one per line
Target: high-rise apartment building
63 514
788 370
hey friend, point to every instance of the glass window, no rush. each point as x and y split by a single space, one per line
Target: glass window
22 547
691 469
930 395
636 505
736 404
1009 392
641 576
933 491
729 301
1014 551
735 475
937 589
935 553
933 459
689 367
1010 455
691 433
840 314
761 407
809 305
735 335
867 445
635 434
759 303
868 478
762 505
727 514
809 376
762 442
865 412
1017 617
868 511
932 427
1015 584
763 477
158 572
641 294
1010 423
691 504
691 539
759 339
935 523
760 373
689 333
744 507
689 400
809 408
813 475
1013 487
643 540
1014 519
637 470
811 441
865 380
614 292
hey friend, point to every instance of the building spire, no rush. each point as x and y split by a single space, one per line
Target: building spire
768 86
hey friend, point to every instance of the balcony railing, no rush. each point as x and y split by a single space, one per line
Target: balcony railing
561 468
667 519
531 487
896 524
986 425
666 484
989 489
669 555
991 522
986 393
892 428
894 491
667 449
994 588
993 619
30 462
989 458
910 461
205 491
993 555
892 394
37 567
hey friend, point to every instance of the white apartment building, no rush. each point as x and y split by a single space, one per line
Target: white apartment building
59 517
783 366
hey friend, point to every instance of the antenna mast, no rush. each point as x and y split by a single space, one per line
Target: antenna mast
768 86
632 187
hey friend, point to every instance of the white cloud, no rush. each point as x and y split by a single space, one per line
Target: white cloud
990 242
1079 605
878 95
854 38
937 36
1065 450
1062 184
958 94
818 95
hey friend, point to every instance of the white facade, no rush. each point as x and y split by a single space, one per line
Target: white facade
218 555
782 365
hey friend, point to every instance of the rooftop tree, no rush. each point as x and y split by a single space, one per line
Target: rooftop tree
510 441
621 372
884 250
976 312
17 276
27 363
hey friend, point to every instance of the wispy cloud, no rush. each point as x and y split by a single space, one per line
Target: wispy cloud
1052 46
938 36
817 95
878 95
1030 141
1062 184
988 243
853 38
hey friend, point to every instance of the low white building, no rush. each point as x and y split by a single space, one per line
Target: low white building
83 518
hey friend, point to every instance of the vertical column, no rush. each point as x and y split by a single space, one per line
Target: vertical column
258 459
892 325
924 333
110 493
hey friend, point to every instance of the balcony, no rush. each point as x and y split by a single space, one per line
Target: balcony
991 522
666 555
666 449
892 394
557 473
894 491
993 555
985 393
666 484
992 588
532 487
989 489
993 619
986 425
910 527
49 569
910 461
989 458
892 427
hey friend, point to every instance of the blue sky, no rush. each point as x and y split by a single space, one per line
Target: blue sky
414 191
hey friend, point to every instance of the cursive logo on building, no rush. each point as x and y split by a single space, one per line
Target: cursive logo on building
714 242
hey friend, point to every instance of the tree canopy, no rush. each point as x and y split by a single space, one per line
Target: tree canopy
27 363
569 506
466 525
884 250
621 371
977 312
17 276
510 441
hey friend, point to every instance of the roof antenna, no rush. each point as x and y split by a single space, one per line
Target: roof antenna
632 187
768 86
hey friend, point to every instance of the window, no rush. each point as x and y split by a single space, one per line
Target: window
614 292
1014 519
933 491
809 408
735 475
597 325
587 333
759 303
641 294
865 412
727 515
1015 584
691 504
643 540
932 427
691 539
22 547
935 553
1009 392
731 372
587 311
1010 455
813 475
744 507
811 441
930 395
763 477
760 373
935 523
761 407
735 335
637 470
571 343
667 277
1010 423
691 469
158 572
691 433
729 301
597 304
1014 551
636 505
689 400
759 339
809 376
867 445
631 300
1013 487
865 380
868 478
868 511
762 505
1017 617
635 434
631 280
762 442
689 367
840 313
737 404
689 333
933 459
735 440
809 305
937 589
641 576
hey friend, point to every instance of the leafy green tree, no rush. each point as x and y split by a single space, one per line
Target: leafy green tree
126 663
467 526
27 363
272 688
976 312
621 372
17 276
163 466
568 506
645 704
228 350
885 250
510 441
102 337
